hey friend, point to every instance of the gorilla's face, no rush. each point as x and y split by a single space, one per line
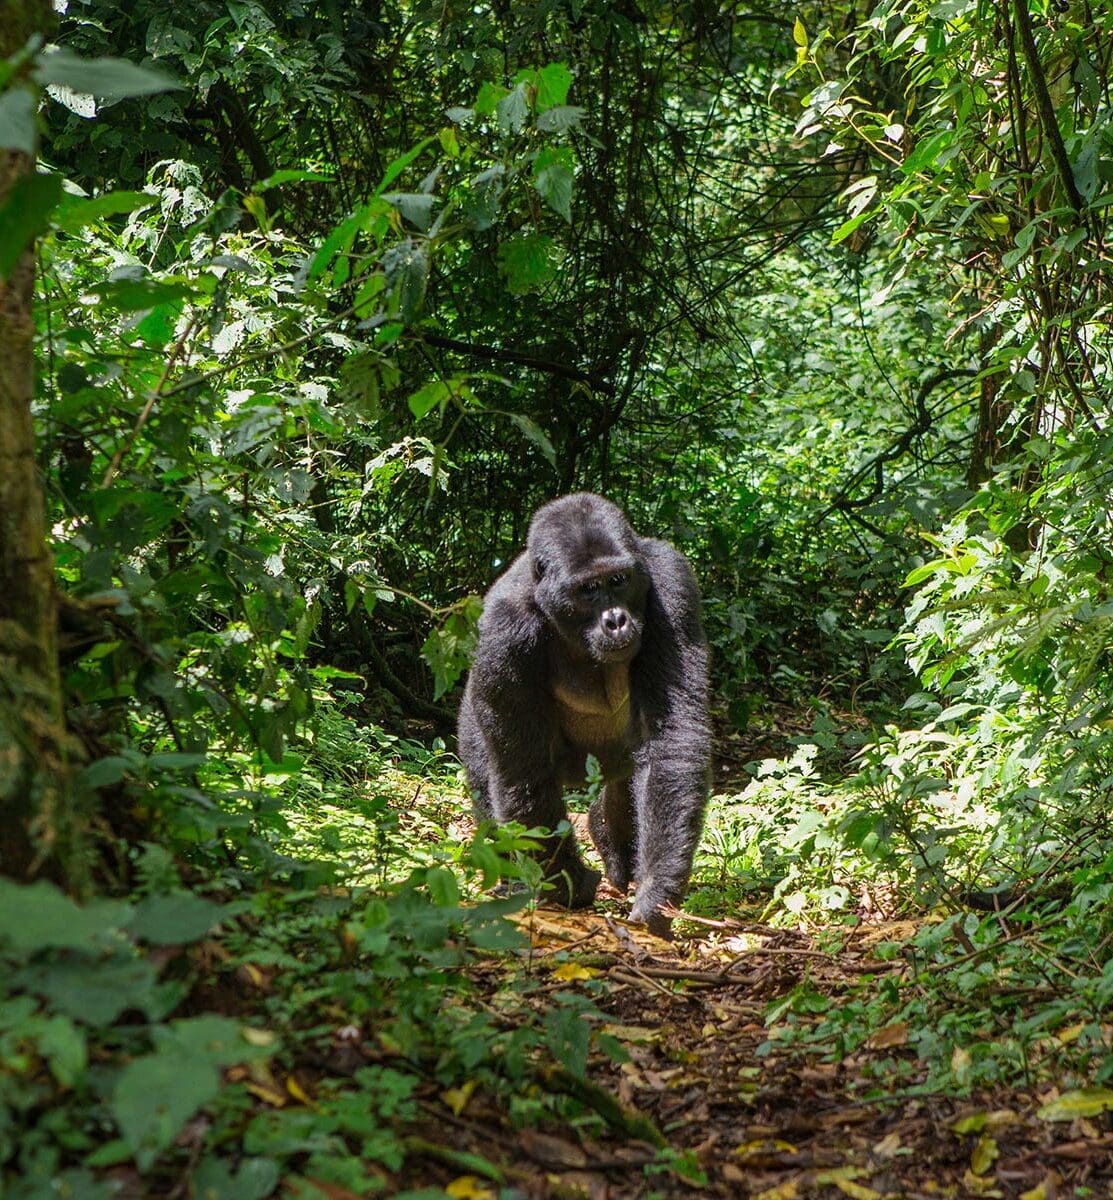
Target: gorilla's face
609 608
590 582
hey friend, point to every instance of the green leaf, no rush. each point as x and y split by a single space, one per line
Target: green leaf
289 175
799 33
62 1044
926 151
527 262
513 110
535 434
552 177
134 293
155 1096
94 991
210 1038
75 212
848 227
560 119
407 271
443 887
400 164
919 574
1086 1102
256 1179
108 79
425 399
38 917
174 919
553 83
416 207
488 99
568 1034
25 214
17 121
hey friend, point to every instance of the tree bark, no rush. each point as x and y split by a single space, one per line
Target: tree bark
38 825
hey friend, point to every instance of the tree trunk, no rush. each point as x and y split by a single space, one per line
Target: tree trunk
38 826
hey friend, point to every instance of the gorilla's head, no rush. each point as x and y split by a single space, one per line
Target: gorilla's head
589 580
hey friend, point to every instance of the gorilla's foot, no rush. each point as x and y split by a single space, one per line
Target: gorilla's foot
647 912
574 887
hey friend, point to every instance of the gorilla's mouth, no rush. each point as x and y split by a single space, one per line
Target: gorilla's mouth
618 648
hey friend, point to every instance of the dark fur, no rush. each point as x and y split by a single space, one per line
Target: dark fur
521 743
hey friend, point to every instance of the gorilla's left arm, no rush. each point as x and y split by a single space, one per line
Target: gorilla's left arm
671 778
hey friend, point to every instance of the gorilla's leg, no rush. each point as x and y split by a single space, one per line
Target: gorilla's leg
542 803
669 800
473 754
611 822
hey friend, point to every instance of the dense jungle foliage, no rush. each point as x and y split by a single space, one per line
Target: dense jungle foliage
304 308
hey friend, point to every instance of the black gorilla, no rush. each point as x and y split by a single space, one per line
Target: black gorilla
591 643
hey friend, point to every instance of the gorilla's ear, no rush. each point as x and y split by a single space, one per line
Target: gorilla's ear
538 565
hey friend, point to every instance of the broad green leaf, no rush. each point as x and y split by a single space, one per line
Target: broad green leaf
174 919
425 399
17 121
560 119
256 1179
63 1046
552 177
407 270
25 214
155 1096
488 99
442 887
210 1038
94 991
526 262
1086 1102
553 83
416 207
108 79
75 212
38 916
567 1035
134 294
799 33
927 150
535 434
513 110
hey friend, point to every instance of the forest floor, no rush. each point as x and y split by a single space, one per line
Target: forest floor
746 1118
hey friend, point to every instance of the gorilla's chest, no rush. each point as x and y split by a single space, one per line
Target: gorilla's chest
594 707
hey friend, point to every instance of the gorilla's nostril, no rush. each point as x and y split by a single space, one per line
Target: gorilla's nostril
615 620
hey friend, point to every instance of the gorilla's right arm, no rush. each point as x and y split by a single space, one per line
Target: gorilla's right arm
509 730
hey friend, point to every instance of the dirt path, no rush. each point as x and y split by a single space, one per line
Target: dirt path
748 1118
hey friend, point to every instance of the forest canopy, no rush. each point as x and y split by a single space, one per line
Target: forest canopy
305 307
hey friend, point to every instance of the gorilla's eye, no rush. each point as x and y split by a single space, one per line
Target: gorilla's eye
590 588
618 581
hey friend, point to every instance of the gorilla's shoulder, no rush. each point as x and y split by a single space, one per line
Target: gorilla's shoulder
510 618
670 571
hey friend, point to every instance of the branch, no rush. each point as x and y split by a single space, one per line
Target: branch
497 354
1044 105
842 501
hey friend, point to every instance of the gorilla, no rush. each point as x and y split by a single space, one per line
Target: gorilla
591 643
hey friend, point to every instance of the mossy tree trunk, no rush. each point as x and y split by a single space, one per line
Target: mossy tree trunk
39 829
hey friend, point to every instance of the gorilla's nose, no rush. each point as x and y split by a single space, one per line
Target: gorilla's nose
615 621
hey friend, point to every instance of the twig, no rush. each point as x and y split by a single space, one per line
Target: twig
558 1079
152 399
